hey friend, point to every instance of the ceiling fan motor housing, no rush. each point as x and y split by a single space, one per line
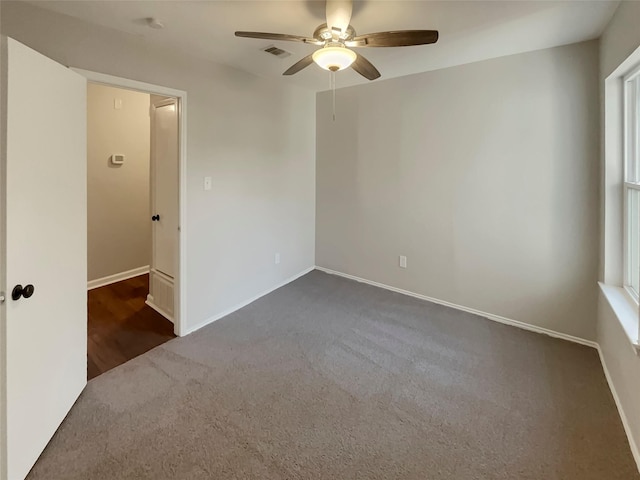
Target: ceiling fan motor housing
324 34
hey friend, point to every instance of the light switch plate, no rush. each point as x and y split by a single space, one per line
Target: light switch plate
207 183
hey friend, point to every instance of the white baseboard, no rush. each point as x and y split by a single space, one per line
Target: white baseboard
490 316
149 301
247 302
117 277
625 423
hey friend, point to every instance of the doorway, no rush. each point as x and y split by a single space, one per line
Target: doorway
135 158
43 332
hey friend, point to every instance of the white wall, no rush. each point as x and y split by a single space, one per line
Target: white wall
118 223
619 40
256 138
485 176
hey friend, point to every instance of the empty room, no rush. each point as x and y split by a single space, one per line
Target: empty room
403 240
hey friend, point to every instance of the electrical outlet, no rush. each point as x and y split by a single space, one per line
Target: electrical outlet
403 261
277 259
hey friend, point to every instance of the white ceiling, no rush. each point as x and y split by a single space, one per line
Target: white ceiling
469 31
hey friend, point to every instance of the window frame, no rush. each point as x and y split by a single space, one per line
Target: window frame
631 160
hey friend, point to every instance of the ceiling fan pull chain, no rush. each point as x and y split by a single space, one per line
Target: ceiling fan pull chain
333 90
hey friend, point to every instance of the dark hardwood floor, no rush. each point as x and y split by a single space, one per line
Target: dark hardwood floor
121 326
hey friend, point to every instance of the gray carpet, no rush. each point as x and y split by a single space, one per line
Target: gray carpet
331 379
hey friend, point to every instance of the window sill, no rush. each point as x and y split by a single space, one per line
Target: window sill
626 310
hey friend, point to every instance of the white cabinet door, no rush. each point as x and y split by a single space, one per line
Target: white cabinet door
164 185
45 236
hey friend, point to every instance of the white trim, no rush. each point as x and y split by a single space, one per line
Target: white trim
630 117
162 275
180 323
117 277
490 316
625 423
180 282
150 302
111 80
247 302
632 73
3 257
625 308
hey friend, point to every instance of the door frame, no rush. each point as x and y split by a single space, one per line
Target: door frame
180 290
3 253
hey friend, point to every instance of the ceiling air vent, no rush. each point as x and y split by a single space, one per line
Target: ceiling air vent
277 52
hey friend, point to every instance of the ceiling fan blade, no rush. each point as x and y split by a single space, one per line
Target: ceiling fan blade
339 14
365 68
400 38
279 36
296 67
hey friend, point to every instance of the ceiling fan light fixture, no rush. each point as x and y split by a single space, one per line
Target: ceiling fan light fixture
334 58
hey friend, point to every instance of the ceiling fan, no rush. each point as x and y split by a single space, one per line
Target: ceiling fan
337 37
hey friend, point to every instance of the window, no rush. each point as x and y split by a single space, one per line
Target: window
620 274
632 183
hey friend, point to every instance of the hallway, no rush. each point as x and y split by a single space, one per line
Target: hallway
121 326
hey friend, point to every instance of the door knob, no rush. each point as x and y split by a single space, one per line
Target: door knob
155 218
20 291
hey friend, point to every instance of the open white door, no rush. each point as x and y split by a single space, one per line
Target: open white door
45 335
165 168
164 185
